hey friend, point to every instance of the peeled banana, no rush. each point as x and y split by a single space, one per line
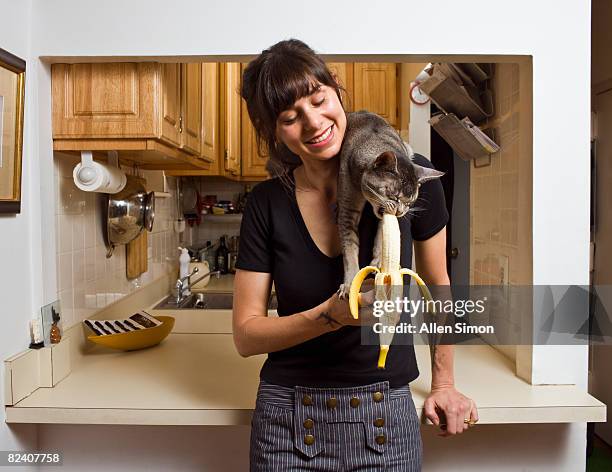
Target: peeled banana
388 282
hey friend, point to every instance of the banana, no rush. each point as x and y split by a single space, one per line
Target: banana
388 282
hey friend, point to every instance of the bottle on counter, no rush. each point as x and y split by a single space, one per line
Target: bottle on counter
184 261
211 256
221 257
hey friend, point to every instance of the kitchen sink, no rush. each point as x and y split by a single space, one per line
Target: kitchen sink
205 301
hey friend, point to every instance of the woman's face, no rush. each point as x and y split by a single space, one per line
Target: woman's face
313 128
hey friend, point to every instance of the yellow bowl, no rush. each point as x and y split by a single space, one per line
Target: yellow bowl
139 339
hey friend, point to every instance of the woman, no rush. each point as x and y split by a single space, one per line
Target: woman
322 403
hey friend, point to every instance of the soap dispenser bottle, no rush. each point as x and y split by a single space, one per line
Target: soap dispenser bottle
184 261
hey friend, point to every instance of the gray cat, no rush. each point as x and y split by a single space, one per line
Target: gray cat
375 165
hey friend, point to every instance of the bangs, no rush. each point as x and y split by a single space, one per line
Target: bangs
286 81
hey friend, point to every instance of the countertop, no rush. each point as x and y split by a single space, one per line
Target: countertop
200 379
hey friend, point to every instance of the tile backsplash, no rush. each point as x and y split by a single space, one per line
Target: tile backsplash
501 200
87 280
500 210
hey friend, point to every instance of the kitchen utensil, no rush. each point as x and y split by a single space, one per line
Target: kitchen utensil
203 268
233 243
232 257
138 339
136 256
128 213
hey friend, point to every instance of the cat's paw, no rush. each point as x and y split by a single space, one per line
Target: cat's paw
375 262
343 291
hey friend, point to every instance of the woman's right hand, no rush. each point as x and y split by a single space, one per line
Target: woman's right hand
340 312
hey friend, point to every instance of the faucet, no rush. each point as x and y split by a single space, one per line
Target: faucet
184 284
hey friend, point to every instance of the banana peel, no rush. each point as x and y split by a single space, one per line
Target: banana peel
388 282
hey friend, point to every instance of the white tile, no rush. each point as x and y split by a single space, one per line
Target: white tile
109 266
91 301
99 215
154 240
90 264
78 232
67 308
72 200
65 271
101 300
90 228
110 297
78 268
100 262
65 164
64 234
90 199
80 308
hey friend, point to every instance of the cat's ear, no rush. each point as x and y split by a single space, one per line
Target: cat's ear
387 161
424 174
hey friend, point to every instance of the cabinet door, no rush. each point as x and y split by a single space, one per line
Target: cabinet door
253 164
104 100
191 109
210 112
375 90
344 75
171 103
232 119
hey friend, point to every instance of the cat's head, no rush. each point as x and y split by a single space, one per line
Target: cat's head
391 184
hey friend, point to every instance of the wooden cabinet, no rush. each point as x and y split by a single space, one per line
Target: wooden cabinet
190 122
375 90
171 103
235 155
253 163
231 119
211 146
344 76
150 113
228 138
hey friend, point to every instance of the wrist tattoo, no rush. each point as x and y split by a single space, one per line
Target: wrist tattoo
328 319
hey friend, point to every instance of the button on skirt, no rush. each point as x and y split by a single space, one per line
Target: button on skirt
371 427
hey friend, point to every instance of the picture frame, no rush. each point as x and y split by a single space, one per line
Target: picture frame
12 102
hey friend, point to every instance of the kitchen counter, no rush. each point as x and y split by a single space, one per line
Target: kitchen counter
200 379
225 283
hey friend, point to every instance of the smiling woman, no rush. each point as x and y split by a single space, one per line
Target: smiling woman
12 89
293 106
322 402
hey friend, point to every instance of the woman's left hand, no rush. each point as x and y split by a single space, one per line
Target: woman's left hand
448 408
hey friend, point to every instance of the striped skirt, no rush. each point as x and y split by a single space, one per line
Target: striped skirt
366 428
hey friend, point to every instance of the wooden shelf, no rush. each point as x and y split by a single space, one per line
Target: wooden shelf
227 218
147 154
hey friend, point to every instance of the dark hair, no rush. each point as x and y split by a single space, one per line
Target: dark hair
271 83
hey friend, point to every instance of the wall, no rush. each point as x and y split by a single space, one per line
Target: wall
87 280
68 28
601 80
501 196
17 269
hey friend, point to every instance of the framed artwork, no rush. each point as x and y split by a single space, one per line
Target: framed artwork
12 96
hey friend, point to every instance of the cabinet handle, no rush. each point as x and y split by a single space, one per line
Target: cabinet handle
180 124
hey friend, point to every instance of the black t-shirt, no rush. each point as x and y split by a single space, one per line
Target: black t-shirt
274 239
